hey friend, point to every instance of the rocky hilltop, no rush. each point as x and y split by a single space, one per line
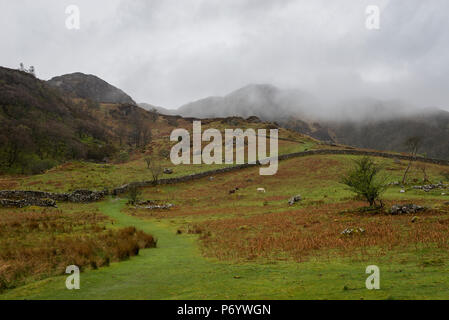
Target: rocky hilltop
90 87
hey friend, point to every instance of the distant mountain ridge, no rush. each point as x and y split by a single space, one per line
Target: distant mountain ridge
364 122
160 110
90 87
264 101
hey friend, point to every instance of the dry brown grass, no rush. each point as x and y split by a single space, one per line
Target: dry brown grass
36 243
317 230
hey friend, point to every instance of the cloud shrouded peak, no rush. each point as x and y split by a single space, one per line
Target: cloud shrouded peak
168 52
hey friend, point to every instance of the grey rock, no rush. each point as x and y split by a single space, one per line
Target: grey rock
351 231
157 206
294 200
405 209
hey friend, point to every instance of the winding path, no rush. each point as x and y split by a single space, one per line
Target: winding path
173 270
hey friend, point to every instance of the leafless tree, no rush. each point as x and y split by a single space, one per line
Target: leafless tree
155 168
32 71
412 144
423 168
147 161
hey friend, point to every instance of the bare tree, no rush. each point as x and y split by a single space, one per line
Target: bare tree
147 161
140 134
413 144
156 169
32 71
423 168
153 115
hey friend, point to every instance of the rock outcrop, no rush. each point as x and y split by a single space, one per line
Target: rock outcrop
352 231
90 87
294 200
405 209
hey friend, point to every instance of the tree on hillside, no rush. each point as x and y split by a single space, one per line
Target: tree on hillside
365 180
134 195
155 167
412 144
153 115
423 168
32 71
147 161
140 134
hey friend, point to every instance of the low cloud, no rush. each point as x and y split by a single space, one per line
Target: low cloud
168 52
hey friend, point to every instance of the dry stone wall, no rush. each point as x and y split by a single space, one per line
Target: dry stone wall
81 196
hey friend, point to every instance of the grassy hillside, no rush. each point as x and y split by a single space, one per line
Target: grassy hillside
87 175
39 127
214 243
252 245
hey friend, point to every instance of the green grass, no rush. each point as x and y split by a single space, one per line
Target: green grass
176 270
86 175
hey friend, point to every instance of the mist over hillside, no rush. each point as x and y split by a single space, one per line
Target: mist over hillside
160 110
274 104
361 122
262 100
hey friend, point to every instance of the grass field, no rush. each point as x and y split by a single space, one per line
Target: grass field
87 175
250 245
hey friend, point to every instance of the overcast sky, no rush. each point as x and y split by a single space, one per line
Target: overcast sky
170 52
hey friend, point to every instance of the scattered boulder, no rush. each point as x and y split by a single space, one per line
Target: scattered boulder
428 187
414 219
294 200
405 209
402 191
261 190
168 171
394 183
153 205
352 231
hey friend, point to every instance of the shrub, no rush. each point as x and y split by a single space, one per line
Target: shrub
364 180
123 157
134 195
40 166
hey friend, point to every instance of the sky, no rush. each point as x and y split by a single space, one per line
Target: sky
171 52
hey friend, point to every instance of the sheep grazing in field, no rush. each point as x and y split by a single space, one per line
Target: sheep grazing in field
261 190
